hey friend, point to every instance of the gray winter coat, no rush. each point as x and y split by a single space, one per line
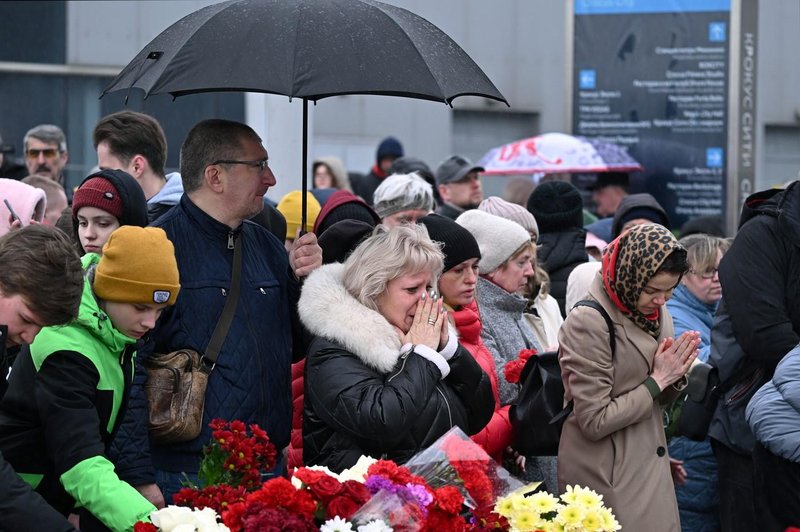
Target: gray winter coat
774 411
505 331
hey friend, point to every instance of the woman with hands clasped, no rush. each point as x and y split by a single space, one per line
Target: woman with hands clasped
614 441
385 375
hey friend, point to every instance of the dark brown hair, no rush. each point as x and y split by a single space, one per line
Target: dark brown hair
129 133
40 264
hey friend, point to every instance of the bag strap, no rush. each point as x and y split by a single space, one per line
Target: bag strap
612 338
612 341
225 319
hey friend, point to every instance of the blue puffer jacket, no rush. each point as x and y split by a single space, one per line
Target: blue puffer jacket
774 411
698 499
251 380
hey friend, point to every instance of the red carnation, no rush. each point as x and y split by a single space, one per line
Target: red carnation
309 476
144 527
513 369
449 499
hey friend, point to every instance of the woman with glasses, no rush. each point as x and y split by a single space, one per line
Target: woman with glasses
693 305
613 441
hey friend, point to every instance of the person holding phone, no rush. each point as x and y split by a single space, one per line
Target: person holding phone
613 441
22 204
104 201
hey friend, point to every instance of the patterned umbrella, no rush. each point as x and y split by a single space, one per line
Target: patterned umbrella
552 153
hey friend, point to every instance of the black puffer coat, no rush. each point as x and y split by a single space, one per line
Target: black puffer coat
364 395
558 254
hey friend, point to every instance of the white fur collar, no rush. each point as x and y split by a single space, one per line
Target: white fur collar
328 310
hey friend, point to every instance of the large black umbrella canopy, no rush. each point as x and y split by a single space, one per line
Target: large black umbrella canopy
308 49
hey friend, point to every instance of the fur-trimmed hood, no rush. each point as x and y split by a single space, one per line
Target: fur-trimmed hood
328 310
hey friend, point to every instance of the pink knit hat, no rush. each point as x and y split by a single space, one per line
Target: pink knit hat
28 202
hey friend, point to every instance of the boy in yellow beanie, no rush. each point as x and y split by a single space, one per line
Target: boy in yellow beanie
67 391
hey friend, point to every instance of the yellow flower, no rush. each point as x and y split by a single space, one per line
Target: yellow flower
592 521
504 506
542 502
570 516
610 523
523 521
589 499
571 495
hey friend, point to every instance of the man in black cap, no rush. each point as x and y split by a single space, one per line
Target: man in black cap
607 193
459 185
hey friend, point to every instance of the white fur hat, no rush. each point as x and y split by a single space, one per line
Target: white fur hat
497 237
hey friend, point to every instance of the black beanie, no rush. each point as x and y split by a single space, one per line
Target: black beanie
458 243
340 239
557 206
352 210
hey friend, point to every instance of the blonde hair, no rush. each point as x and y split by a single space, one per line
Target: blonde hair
702 250
387 255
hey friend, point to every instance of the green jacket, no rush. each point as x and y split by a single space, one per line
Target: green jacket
62 409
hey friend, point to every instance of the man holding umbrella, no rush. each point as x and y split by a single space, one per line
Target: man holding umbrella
225 174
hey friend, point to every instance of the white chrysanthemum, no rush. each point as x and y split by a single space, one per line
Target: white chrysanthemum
589 498
610 523
337 524
375 526
523 520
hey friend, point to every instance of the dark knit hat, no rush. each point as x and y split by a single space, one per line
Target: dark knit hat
100 193
557 206
389 147
648 213
611 179
349 211
340 239
458 243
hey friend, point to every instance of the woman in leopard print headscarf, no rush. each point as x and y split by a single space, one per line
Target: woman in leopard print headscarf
614 442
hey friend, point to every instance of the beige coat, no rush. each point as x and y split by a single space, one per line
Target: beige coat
614 440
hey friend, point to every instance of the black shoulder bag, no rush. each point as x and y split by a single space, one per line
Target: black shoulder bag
538 413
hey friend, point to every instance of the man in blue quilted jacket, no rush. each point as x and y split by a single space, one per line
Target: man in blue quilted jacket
225 173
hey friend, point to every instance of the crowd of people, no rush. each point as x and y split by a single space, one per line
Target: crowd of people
383 322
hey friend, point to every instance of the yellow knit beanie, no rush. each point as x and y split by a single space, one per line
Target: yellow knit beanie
138 266
290 207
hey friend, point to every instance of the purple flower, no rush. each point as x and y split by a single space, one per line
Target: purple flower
420 494
375 483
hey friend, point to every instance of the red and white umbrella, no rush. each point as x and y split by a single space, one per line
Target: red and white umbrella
552 153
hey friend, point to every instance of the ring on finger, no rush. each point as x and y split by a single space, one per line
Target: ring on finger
431 321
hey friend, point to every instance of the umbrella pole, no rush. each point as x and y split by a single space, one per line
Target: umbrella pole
305 167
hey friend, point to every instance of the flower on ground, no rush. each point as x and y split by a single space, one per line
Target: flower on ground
337 524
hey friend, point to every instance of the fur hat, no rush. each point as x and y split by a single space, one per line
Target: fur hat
511 211
458 244
138 266
28 202
290 207
557 206
497 237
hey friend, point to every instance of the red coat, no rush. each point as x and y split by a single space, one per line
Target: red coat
295 450
496 436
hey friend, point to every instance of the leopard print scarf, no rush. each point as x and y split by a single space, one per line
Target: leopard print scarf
629 262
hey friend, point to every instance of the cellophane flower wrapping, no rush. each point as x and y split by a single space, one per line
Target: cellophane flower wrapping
455 460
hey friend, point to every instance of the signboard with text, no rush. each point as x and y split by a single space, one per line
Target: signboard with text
654 76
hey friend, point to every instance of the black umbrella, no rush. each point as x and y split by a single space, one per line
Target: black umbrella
309 49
